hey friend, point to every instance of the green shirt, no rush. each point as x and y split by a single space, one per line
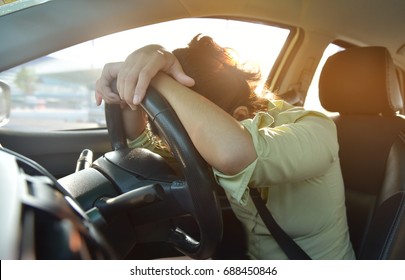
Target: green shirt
298 174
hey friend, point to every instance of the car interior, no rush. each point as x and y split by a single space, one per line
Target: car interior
121 203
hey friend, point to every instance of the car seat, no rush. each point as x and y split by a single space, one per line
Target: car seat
361 85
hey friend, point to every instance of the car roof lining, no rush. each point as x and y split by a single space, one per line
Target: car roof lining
39 24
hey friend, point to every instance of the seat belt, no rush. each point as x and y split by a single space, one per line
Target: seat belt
286 243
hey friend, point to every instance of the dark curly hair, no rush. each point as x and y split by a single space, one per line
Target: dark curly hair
218 77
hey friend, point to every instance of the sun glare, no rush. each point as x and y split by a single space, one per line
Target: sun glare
257 45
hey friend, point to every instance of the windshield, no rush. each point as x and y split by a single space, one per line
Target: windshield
56 92
10 6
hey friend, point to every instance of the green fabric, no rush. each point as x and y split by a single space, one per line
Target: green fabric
298 174
149 141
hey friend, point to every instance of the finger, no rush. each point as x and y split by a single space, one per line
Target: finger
155 63
142 85
104 92
98 98
177 72
127 83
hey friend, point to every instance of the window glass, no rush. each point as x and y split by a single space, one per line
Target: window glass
10 6
4 2
312 100
56 92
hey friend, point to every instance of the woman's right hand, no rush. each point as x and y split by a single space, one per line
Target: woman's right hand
141 67
135 74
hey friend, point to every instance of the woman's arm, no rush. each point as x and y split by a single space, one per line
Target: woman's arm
134 122
220 139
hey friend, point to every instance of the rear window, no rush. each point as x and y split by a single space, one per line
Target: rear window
312 101
56 92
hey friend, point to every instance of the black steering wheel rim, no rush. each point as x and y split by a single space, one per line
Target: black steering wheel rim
197 173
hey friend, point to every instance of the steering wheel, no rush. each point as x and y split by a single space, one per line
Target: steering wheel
199 182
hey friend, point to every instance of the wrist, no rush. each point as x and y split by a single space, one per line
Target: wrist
135 122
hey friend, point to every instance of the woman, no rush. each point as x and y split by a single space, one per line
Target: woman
288 153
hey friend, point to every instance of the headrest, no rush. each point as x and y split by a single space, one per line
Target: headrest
360 80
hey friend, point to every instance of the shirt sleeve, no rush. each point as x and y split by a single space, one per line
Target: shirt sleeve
295 145
151 142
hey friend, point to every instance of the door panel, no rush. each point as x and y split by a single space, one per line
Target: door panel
56 151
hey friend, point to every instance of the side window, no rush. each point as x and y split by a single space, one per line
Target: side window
401 79
56 92
312 100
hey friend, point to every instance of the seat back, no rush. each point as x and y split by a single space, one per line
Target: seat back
361 85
